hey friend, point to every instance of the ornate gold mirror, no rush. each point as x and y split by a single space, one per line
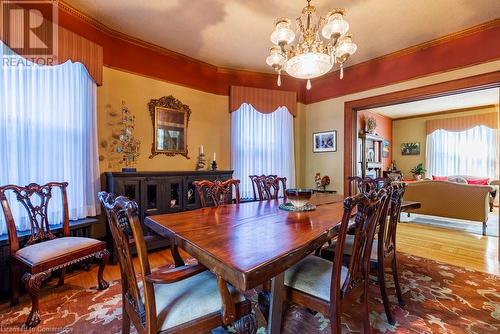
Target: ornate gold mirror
170 121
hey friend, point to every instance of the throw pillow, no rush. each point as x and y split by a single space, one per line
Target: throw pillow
483 182
457 179
439 178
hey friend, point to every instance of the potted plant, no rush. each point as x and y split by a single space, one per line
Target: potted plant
418 171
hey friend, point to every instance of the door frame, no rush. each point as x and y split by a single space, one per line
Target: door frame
452 87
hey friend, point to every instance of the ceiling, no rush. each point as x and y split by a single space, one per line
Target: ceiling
235 33
450 102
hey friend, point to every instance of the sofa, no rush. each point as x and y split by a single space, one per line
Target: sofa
450 199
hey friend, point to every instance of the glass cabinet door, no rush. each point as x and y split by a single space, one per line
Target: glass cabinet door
153 196
174 200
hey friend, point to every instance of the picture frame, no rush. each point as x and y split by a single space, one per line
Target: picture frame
325 141
385 149
170 119
410 149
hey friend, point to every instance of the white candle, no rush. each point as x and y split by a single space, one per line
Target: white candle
201 149
214 157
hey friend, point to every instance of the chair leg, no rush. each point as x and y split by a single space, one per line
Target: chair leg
383 291
246 324
394 265
335 319
366 316
264 301
33 284
14 283
61 277
103 258
125 321
484 228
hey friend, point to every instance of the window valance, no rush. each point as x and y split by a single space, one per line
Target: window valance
264 100
464 123
76 48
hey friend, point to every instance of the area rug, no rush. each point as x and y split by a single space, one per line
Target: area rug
440 298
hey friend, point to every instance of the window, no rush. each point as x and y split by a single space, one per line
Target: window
473 152
261 144
48 133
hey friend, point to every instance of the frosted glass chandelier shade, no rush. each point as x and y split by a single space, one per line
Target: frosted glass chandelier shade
335 25
309 65
346 46
282 33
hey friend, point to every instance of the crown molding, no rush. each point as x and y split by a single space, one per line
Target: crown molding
216 79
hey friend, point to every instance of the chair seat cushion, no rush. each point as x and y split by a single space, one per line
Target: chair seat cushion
189 299
313 275
55 248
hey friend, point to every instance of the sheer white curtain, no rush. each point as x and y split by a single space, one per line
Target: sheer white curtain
48 132
472 152
261 144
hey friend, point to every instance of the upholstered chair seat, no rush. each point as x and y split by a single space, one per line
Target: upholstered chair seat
57 248
313 275
198 294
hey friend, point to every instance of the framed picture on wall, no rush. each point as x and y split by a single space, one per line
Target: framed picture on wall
410 149
325 141
385 149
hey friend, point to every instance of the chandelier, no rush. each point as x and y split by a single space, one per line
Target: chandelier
311 56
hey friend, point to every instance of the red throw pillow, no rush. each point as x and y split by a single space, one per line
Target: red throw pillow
439 178
483 182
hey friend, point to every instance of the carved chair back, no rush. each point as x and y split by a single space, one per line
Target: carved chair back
219 192
267 186
123 219
387 231
35 199
359 185
368 207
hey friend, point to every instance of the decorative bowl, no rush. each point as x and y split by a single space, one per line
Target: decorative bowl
299 197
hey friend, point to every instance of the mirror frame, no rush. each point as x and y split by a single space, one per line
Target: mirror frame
169 103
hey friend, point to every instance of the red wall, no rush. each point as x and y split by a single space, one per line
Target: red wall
383 129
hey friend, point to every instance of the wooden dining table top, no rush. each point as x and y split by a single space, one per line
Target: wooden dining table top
249 243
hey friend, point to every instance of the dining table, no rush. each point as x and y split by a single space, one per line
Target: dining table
251 243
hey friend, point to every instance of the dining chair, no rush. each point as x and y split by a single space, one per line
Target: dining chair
328 287
184 299
43 253
384 246
359 184
217 192
267 187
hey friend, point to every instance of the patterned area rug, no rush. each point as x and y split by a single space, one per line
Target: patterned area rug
440 298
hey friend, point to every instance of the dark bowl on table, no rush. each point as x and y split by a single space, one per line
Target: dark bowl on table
299 197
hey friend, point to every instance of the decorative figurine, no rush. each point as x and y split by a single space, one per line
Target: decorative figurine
321 182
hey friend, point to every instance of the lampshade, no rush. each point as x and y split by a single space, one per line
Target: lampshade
346 46
308 65
275 57
334 25
282 32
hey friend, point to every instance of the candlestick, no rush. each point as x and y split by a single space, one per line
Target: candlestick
201 149
214 157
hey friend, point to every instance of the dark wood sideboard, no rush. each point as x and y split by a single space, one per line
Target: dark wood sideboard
159 193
